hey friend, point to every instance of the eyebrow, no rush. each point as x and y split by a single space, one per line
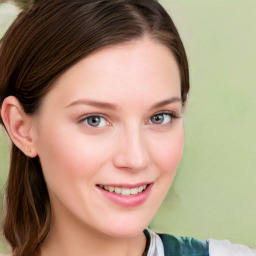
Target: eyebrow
111 106
93 103
167 102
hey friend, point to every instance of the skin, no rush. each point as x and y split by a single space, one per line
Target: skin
128 147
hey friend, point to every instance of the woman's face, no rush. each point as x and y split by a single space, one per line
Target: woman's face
109 136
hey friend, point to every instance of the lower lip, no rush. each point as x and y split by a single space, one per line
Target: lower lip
127 201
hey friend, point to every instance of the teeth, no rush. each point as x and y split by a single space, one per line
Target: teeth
111 189
134 191
124 191
118 190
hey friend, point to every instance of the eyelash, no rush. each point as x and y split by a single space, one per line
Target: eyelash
171 114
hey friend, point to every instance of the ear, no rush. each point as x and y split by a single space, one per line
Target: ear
19 125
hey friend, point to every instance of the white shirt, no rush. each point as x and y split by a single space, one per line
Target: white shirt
225 248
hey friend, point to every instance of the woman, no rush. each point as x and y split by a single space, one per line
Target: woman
92 94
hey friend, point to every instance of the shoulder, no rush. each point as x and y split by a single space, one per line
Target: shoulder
226 248
180 246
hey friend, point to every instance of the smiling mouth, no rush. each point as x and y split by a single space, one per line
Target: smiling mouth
124 191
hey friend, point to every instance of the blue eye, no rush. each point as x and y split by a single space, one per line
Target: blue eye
95 121
161 118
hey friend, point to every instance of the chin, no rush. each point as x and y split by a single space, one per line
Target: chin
127 229
126 233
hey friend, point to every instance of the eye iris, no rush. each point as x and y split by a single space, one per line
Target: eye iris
94 120
157 119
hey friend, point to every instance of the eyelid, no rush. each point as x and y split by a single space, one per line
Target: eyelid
174 114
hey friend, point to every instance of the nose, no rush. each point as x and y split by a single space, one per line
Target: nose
131 152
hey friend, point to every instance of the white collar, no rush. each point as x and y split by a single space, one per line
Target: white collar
156 247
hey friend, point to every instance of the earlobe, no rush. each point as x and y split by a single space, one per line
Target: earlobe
18 125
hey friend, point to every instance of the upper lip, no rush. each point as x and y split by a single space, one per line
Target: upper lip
126 185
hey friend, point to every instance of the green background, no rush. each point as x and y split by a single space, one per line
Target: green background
214 192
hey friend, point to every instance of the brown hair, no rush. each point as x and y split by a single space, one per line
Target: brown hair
43 42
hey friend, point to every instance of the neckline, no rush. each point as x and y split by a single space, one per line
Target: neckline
148 241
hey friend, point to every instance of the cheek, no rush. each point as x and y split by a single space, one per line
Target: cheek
166 155
168 151
69 153
70 165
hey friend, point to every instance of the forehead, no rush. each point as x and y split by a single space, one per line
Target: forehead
141 68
